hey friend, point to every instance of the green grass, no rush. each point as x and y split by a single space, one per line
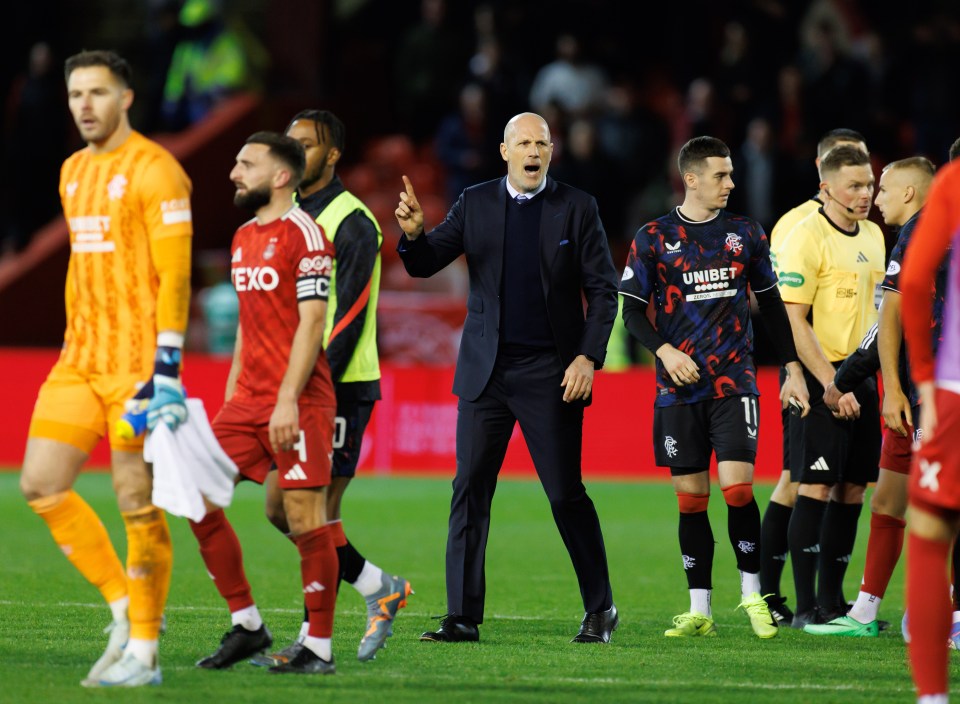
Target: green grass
51 620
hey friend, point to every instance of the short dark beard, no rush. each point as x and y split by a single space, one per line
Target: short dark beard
253 199
310 178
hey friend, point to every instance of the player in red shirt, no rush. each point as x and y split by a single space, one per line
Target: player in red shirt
280 402
934 489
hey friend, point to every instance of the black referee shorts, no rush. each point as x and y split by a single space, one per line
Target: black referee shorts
826 450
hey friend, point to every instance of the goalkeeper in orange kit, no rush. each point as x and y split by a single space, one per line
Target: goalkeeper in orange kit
127 205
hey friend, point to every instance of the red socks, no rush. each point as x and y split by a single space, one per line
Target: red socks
336 533
223 557
319 568
928 609
883 550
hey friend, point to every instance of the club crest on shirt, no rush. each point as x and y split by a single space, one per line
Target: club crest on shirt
271 248
734 243
72 188
117 187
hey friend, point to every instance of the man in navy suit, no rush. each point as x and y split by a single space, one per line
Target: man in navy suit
535 250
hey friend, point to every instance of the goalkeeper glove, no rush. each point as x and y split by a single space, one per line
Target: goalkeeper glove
168 403
134 420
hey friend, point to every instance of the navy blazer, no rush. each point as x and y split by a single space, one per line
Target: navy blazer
575 264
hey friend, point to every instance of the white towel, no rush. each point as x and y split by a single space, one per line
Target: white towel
189 464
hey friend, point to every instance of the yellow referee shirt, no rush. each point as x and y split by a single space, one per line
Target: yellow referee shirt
793 216
837 274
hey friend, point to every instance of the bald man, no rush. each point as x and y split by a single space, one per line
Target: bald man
534 248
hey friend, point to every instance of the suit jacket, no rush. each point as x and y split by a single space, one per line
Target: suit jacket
575 264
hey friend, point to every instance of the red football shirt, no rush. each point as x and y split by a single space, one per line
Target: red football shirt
273 268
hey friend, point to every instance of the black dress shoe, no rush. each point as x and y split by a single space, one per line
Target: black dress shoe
454 629
598 627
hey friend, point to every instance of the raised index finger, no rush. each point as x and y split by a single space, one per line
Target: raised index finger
408 186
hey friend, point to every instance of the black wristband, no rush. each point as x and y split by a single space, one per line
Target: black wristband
167 362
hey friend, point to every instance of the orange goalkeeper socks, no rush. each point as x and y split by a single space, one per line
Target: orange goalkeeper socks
78 531
149 564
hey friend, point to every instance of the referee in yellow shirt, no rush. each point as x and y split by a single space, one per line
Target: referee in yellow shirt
829 267
776 517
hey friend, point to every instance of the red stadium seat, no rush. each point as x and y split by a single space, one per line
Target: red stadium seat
390 155
426 177
361 180
383 204
434 208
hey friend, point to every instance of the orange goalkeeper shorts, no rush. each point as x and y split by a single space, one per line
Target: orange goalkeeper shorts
80 409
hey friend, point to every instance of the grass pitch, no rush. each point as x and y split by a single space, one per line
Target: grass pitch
51 620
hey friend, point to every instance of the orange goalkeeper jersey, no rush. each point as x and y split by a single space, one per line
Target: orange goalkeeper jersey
118 205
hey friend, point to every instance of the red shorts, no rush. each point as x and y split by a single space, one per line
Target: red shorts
896 453
935 475
243 431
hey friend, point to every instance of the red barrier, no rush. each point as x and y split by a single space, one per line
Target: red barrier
26 369
413 428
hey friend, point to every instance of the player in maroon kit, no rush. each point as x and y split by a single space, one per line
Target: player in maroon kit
280 401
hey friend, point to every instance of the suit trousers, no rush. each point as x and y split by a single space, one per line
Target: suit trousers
524 387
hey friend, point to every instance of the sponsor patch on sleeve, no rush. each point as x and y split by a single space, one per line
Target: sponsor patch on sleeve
791 278
318 265
176 211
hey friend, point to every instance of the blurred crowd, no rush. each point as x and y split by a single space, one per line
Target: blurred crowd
194 54
439 80
768 77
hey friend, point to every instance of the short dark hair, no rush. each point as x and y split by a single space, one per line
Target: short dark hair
698 150
110 59
920 163
335 128
288 150
954 149
844 155
834 137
